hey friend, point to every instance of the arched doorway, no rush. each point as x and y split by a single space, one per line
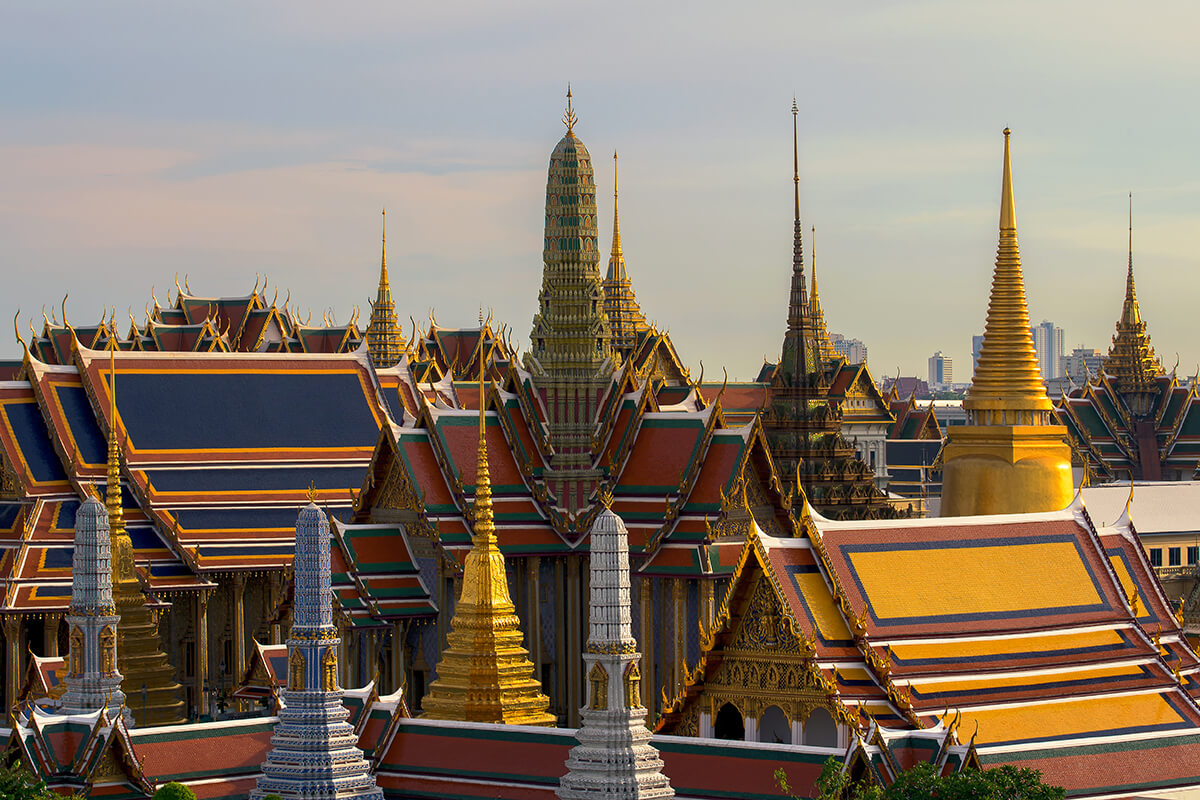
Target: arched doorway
729 724
820 730
774 727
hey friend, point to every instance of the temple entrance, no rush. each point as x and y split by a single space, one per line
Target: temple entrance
774 727
729 724
820 730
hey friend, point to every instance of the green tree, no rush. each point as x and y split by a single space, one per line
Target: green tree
18 783
922 782
174 791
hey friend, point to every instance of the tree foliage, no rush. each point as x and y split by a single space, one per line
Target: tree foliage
174 791
922 782
18 783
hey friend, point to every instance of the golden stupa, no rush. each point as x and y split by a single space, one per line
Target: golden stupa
151 691
1012 455
485 674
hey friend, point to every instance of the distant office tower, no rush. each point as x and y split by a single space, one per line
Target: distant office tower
941 369
976 345
1048 341
853 350
1081 362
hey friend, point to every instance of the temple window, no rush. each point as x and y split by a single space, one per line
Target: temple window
774 727
76 652
820 730
598 679
633 686
729 724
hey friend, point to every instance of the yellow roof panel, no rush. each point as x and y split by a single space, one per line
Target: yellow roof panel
1009 646
820 604
1073 718
968 684
974 580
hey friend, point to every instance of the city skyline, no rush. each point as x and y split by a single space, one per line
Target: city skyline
235 155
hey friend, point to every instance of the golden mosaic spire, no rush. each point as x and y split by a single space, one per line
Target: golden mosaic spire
1131 359
385 342
625 317
153 695
820 330
1007 387
485 674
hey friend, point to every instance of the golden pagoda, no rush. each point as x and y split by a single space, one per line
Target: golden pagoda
151 691
625 316
385 342
1131 361
1011 456
826 351
485 674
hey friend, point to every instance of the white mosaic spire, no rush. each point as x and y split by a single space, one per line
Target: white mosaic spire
313 753
614 758
92 680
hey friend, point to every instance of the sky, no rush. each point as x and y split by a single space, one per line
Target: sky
226 141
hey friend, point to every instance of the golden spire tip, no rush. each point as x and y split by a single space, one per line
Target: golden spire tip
569 117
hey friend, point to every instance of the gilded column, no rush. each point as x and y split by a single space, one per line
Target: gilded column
12 638
646 604
399 631
571 667
50 635
680 637
238 590
535 613
274 591
200 652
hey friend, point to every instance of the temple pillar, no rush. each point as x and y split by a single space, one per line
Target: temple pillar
559 698
680 643
238 626
574 640
533 593
274 590
200 652
708 607
343 660
399 635
12 640
646 604
706 731
50 635
751 729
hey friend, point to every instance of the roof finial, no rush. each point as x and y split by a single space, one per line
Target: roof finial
116 522
383 240
796 154
569 118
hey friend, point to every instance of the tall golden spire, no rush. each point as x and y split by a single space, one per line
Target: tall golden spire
147 674
485 674
1007 387
1011 456
820 330
385 342
1131 359
616 242
625 317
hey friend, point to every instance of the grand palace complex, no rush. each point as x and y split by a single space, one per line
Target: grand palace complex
498 545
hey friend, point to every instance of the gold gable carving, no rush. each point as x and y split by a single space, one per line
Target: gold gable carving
10 485
398 491
764 627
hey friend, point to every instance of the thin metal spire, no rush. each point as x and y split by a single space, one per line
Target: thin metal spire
796 154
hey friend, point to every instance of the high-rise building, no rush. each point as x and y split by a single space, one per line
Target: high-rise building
941 369
1082 362
1048 341
853 350
976 347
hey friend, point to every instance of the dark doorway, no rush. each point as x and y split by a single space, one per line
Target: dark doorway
729 724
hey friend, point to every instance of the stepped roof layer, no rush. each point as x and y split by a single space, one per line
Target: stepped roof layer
217 442
1046 630
1117 444
671 461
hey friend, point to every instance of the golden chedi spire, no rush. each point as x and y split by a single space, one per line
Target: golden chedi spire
1007 386
385 342
152 693
824 344
1011 456
1131 360
485 674
625 317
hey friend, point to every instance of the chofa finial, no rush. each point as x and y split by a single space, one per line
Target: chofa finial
312 492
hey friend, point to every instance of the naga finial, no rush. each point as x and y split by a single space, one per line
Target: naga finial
311 492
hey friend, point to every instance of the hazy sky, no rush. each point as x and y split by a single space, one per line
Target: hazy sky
141 139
